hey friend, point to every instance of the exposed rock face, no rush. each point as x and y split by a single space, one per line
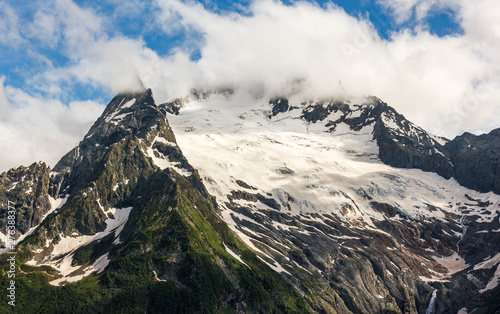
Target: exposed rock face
472 160
355 116
401 143
279 104
28 189
405 145
477 160
329 258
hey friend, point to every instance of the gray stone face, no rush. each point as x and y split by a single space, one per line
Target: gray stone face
472 160
477 160
28 189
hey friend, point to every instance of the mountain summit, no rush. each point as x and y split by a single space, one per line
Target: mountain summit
257 205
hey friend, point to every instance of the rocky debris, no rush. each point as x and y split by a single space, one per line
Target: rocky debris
174 106
245 185
243 195
355 264
358 263
285 171
387 209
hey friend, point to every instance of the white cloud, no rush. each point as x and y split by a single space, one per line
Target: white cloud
5 106
447 85
80 26
44 28
426 77
41 129
9 26
467 97
403 10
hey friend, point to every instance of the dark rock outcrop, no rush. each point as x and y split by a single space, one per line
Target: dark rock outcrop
27 188
279 105
477 160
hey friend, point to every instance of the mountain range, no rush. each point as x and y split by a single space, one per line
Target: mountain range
228 201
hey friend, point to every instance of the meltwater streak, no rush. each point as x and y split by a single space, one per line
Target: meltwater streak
431 309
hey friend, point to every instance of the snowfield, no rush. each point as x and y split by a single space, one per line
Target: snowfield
308 170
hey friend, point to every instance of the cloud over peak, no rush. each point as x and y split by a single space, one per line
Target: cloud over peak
445 84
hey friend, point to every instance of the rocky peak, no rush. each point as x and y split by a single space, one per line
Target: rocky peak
137 220
401 143
333 111
405 145
130 141
131 119
125 114
385 223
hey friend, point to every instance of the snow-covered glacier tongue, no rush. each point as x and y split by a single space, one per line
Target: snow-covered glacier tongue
308 186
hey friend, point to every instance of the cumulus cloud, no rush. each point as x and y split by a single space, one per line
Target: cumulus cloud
472 101
34 128
416 72
445 84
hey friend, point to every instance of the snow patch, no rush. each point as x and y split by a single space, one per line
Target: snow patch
13 186
62 254
156 276
162 161
453 263
54 206
489 263
236 256
275 265
101 263
493 282
128 104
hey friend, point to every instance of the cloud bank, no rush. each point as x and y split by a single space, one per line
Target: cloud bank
447 85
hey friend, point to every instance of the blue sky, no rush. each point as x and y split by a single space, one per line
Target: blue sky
61 61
